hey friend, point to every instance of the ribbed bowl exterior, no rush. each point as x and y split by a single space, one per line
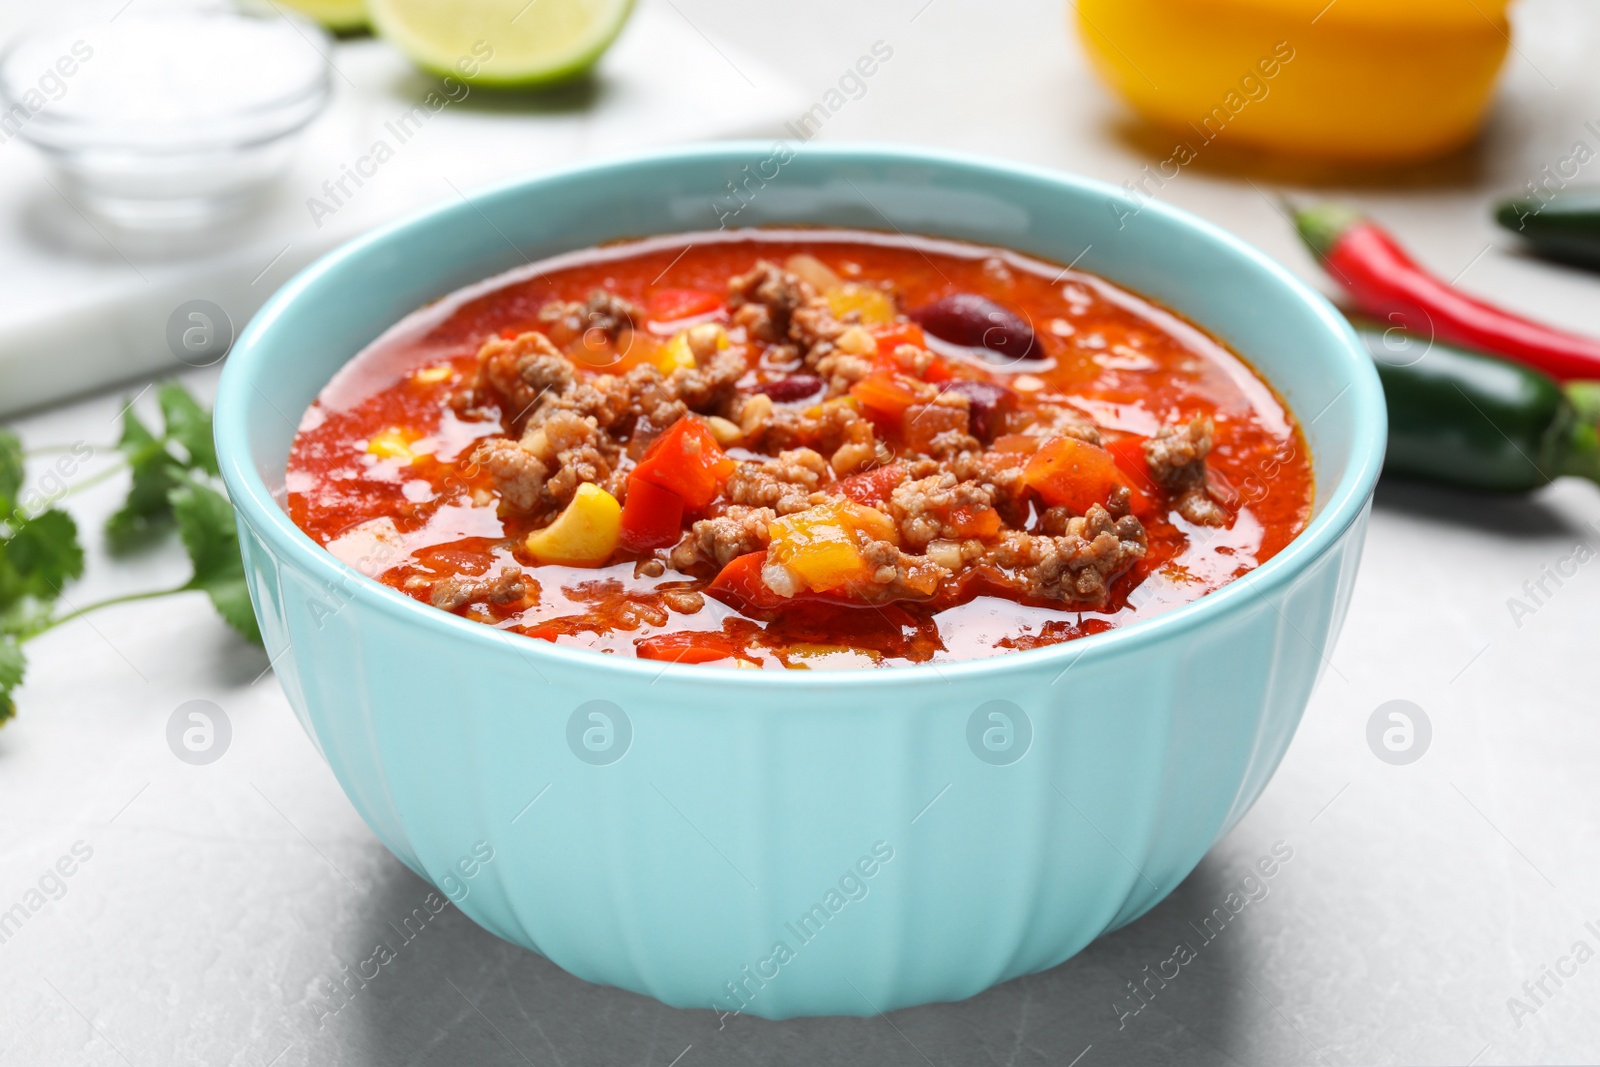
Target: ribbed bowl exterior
838 843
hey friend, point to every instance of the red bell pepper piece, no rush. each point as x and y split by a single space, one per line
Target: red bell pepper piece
886 395
652 517
975 520
739 585
1386 283
1129 456
686 460
1070 473
872 487
894 334
672 305
688 647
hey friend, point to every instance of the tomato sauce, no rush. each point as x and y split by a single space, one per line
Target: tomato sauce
382 470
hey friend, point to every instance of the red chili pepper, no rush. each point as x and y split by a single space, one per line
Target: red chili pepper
652 517
1388 284
686 460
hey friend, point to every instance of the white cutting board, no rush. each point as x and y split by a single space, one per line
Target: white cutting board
83 306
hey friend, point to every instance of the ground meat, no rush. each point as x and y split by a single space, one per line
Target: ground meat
529 378
1001 475
1076 566
813 325
604 311
1059 420
1176 454
841 370
922 509
1056 522
683 601
520 373
896 574
543 470
835 429
720 540
518 474
708 387
765 299
784 484
1177 460
459 590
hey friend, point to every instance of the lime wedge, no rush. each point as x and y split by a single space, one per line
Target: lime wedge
507 43
340 16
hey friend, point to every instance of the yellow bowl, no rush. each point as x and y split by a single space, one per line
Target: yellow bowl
1368 81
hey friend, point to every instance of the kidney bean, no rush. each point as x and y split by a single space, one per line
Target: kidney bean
986 402
794 387
977 322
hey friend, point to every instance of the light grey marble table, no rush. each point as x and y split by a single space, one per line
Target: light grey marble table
208 904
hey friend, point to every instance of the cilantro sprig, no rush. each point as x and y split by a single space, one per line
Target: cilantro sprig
173 485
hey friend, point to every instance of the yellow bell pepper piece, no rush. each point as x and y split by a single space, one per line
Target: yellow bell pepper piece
585 533
823 544
1360 81
873 304
675 354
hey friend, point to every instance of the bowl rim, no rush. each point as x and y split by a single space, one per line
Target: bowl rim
255 503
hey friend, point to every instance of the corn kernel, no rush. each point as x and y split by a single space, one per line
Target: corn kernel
586 532
706 340
724 430
434 375
393 443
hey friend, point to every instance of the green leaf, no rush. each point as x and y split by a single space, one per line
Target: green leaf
25 618
11 470
136 437
210 536
12 587
148 509
12 667
45 552
189 425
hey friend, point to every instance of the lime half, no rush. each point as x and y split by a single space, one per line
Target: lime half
508 43
340 16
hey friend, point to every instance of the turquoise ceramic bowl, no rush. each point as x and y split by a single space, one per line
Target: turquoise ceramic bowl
800 843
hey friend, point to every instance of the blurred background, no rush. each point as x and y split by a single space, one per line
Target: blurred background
156 190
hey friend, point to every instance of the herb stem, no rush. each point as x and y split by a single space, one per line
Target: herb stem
125 598
95 479
56 450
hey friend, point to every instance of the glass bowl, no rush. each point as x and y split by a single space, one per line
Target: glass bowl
169 116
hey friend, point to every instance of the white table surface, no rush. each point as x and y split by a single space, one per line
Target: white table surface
1419 898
